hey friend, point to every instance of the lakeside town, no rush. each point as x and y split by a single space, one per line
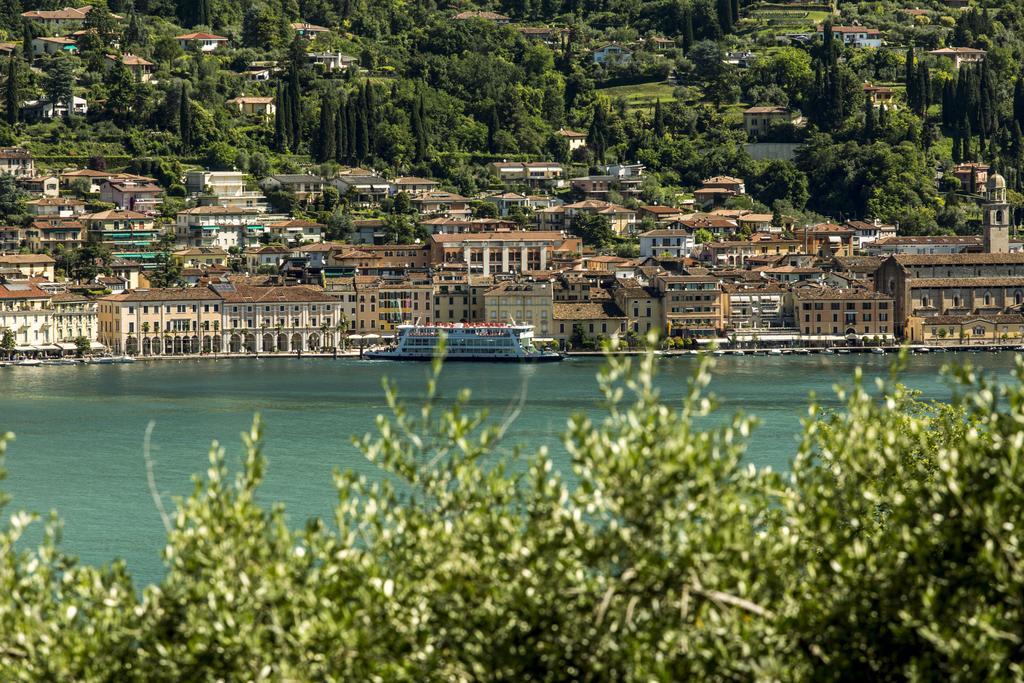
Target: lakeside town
249 280
170 192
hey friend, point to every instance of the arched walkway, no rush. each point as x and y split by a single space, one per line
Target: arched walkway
235 345
207 343
131 346
313 342
268 343
168 345
146 346
296 342
250 343
282 343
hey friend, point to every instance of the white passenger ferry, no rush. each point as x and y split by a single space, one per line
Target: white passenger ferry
496 342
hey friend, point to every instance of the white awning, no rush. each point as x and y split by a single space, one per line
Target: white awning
96 346
67 346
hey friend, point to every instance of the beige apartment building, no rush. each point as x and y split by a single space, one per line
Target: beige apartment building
277 319
522 302
161 321
692 304
822 311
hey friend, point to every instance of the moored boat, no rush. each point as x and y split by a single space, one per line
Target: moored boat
490 342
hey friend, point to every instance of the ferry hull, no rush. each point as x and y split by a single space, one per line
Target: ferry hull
545 358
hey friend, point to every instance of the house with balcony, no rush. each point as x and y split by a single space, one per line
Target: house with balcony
132 195
363 189
612 55
533 174
673 243
17 162
855 36
308 31
758 121
304 186
220 226
55 207
50 232
41 185
440 203
45 110
260 107
128 234
201 42
332 61
959 55
140 67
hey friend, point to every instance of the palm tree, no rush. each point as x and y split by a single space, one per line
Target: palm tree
324 327
342 330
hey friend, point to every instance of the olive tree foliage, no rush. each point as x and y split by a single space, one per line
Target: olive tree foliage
891 551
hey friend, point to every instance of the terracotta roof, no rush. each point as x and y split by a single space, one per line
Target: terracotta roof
303 26
926 240
166 294
817 292
257 294
245 99
55 201
26 258
113 214
22 290
131 60
481 14
958 259
766 110
961 319
928 282
199 36
586 311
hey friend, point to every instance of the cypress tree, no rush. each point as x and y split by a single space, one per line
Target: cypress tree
869 121
924 88
493 126
659 119
281 124
725 18
352 123
370 95
12 99
26 42
965 139
735 11
185 118
296 61
419 132
1018 100
362 149
324 147
910 79
341 131
687 28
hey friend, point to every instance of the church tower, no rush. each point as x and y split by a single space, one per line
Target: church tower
996 221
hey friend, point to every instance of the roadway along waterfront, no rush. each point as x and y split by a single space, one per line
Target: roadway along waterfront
80 428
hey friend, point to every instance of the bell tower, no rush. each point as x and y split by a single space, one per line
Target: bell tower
996 217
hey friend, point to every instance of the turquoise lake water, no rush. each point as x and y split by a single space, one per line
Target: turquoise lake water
80 429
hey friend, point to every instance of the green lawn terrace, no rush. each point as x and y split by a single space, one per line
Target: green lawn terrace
765 20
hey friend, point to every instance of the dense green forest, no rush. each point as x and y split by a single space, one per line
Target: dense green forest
428 94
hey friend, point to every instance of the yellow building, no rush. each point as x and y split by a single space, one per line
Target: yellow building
161 321
522 302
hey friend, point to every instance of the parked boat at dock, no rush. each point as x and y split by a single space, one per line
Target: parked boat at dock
494 342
